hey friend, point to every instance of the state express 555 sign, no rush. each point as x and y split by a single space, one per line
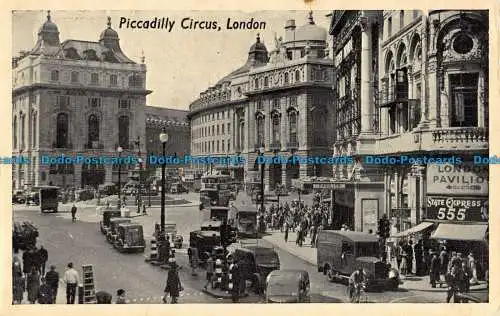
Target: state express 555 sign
461 209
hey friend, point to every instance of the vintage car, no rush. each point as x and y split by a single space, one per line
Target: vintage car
107 215
178 188
288 286
205 241
340 253
113 224
246 224
176 240
255 262
215 225
129 237
18 197
219 213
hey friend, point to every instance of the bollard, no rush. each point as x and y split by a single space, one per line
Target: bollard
80 294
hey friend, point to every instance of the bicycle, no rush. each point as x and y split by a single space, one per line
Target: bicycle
359 294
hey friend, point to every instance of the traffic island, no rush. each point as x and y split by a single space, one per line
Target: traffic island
218 293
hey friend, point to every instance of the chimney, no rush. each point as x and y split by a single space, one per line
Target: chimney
290 30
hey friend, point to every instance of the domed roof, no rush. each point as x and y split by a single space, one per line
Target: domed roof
48 26
310 31
258 46
109 33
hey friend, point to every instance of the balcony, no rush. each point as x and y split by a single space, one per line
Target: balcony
394 94
275 146
461 137
293 145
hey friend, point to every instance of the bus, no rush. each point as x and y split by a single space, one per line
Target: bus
246 224
48 197
215 190
211 181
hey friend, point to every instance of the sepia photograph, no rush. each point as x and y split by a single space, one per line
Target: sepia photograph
225 157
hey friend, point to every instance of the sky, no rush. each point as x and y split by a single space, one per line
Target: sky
180 63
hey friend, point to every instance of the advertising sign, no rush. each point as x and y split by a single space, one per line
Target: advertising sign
457 209
462 179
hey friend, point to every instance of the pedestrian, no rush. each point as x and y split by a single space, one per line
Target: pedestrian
73 213
44 257
454 261
144 208
45 293
18 288
404 262
314 232
399 254
52 279
473 269
27 262
210 272
419 257
452 281
236 279
443 262
173 286
33 285
71 279
194 260
103 297
286 228
120 297
410 256
434 270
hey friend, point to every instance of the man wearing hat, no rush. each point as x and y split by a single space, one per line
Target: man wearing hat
434 269
52 280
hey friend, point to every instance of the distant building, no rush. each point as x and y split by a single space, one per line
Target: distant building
75 98
278 101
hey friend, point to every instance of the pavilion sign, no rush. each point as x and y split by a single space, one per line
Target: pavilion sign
462 179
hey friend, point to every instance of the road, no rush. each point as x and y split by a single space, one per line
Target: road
82 243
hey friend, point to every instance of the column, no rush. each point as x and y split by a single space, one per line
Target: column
366 76
245 146
387 191
78 176
283 133
412 196
421 196
236 135
267 178
108 176
423 102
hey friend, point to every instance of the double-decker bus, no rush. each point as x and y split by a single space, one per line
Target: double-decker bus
215 190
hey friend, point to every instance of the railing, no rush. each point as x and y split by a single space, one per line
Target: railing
460 135
275 146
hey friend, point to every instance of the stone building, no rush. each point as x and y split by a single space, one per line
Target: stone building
279 101
75 98
422 91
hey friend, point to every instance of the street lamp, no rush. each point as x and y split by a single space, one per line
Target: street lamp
139 200
163 140
261 153
119 150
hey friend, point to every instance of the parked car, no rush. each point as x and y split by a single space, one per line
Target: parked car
19 197
108 189
255 262
340 253
288 286
107 215
129 237
175 239
113 224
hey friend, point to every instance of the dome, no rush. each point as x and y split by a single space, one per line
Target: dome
310 32
258 46
109 33
49 26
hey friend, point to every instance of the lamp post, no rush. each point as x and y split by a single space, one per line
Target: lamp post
139 171
261 153
163 140
119 150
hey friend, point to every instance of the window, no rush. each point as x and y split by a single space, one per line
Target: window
213 130
286 78
23 130
218 113
292 127
14 132
276 128
94 102
62 130
464 105
124 104
242 135
293 100
54 75
218 131
256 83
135 81
297 75
389 27
123 131
34 129
93 132
463 43
113 80
229 128
213 145
75 77
266 82
260 131
276 103
259 105
223 127
228 145
218 146
223 145
401 19
94 78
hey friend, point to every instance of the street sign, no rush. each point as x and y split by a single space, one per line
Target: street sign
335 186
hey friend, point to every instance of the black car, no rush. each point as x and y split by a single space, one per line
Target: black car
205 241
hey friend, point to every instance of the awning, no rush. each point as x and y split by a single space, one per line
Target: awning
414 230
460 232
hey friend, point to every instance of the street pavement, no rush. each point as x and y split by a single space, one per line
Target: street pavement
83 243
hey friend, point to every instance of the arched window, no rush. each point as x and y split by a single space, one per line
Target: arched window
54 75
286 78
93 131
256 83
276 128
14 132
242 135
297 75
123 131
260 131
34 129
62 130
266 82
292 127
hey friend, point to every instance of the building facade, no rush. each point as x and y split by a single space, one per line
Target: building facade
278 101
425 95
75 98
